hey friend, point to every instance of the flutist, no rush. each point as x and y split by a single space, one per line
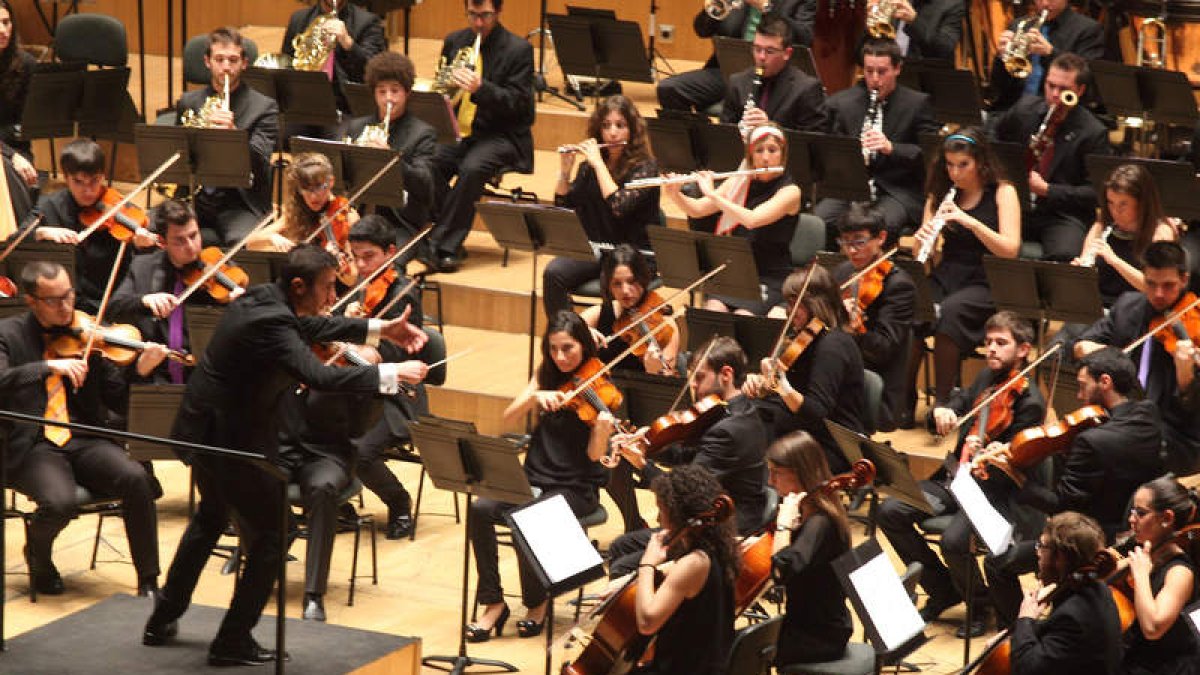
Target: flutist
227 215
773 89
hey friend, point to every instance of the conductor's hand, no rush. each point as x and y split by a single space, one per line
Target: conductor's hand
944 420
403 333
412 372
74 370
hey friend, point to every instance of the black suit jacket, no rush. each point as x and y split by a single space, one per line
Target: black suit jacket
416 141
23 373
349 65
1082 636
1070 32
906 115
258 352
798 13
794 99
937 29
1079 135
260 116
888 319
504 103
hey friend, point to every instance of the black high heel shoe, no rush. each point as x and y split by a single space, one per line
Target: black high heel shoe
481 634
527 628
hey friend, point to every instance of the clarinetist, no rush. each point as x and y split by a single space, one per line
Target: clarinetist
782 94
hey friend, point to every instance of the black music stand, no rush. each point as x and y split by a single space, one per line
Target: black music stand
830 260
861 571
647 397
1116 84
361 100
756 334
892 475
70 100
723 144
685 256
599 47
261 267
1014 286
953 93
321 146
1176 181
1167 95
209 157
32 251
837 165
152 410
1012 158
434 109
201 322
735 55
1045 291
354 165
673 144
304 97
461 461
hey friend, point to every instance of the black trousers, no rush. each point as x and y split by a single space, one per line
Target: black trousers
224 224
561 277
1061 235
228 488
621 487
321 482
373 471
625 552
48 475
474 161
694 90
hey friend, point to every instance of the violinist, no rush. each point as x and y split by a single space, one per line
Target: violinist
44 462
1082 633
63 212
1163 577
309 201
691 610
811 530
147 294
880 305
732 448
625 276
1167 377
616 151
563 458
825 379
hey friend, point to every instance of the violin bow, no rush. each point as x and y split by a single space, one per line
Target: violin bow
216 267
21 235
867 270
382 310
127 198
1166 322
778 348
108 289
327 219
1008 383
687 386
609 366
686 289
380 270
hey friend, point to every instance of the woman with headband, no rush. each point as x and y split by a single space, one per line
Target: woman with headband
763 209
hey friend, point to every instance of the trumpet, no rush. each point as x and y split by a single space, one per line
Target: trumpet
568 149
1088 257
693 177
879 20
937 223
1016 54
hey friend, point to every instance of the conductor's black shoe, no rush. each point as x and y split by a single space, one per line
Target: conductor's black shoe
936 605
248 654
314 607
156 634
148 588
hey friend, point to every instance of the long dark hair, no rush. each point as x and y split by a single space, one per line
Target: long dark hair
637 150
973 143
1135 181
823 299
803 455
639 267
11 64
564 321
688 492
1167 494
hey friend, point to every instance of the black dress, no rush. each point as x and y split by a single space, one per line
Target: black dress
697 637
1176 652
816 625
1112 284
959 282
604 324
13 92
771 245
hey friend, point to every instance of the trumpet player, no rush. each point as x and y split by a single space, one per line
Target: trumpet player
928 29
1064 200
227 215
1064 30
774 90
356 33
889 137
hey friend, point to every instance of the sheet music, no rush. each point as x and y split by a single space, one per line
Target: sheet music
556 538
891 610
1192 612
993 528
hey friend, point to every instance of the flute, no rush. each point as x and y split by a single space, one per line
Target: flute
565 149
937 224
692 177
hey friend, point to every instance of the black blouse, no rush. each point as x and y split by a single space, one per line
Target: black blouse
558 459
962 251
816 625
771 243
622 217
1176 652
697 637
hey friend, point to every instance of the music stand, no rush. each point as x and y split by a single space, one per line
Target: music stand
924 305
210 157
69 100
874 588
733 55
1167 96
892 474
600 47
756 334
262 267
684 256
304 97
321 146
1014 286
647 397
354 165
459 460
673 145
838 166
1011 157
724 148
953 93
1176 181
361 100
434 109
1071 293
201 322
152 410
12 306
1117 87
33 251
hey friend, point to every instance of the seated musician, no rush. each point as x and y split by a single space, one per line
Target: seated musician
1065 31
625 276
762 208
16 71
148 295
616 151
773 89
1008 341
46 462
691 612
880 305
698 89
811 530
16 187
983 218
1163 577
372 243
356 34
390 77
928 29
825 380
1131 218
563 458
1082 632
309 202
1167 378
894 163
62 214
731 447
227 215
495 114
1064 201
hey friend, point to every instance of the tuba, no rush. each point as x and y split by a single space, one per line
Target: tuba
879 20
1016 55
314 46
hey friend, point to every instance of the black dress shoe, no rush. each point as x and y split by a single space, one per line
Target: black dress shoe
44 576
476 633
399 526
448 263
148 588
936 605
250 654
314 607
156 634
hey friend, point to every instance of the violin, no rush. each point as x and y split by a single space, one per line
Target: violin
1032 445
648 318
8 289
119 343
794 348
334 230
677 426
123 224
377 290
997 415
222 284
601 395
1183 327
865 290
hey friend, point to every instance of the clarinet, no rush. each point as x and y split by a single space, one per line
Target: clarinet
756 86
1088 258
938 224
873 120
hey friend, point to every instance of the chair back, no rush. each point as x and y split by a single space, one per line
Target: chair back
753 648
808 238
434 351
873 400
97 39
194 70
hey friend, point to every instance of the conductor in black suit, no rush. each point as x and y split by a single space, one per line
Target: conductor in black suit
699 89
45 462
895 165
228 214
928 29
495 114
357 35
259 352
784 94
1065 31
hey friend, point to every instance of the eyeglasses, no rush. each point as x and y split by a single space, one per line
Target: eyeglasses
768 51
853 244
317 189
482 16
58 300
1139 512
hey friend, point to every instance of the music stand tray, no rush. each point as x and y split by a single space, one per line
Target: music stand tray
673 145
733 55
101 103
222 157
924 306
1012 157
838 165
600 47
361 164
647 397
723 144
261 267
434 109
47 251
361 100
756 334
1014 285
1117 87
304 97
158 143
953 93
51 102
683 256
1071 293
1167 96
1176 181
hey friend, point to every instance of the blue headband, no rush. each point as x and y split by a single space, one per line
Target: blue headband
960 137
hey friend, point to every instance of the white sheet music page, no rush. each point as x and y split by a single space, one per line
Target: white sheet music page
556 538
891 610
993 528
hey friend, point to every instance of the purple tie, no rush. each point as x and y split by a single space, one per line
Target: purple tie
175 336
1144 364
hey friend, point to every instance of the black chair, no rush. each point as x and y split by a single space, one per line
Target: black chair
296 498
194 70
753 648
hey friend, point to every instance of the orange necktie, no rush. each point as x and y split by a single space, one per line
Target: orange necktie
56 409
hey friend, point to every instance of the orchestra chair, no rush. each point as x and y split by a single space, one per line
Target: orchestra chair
807 240
296 499
753 648
872 411
195 72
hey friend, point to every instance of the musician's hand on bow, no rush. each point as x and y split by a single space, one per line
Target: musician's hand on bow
1031 608
24 169
1185 353
58 235
944 421
74 370
549 401
656 549
972 444
1038 184
160 304
399 330
152 355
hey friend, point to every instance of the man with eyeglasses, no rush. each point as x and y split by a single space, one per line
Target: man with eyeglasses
227 215
784 94
357 35
880 304
46 462
495 113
